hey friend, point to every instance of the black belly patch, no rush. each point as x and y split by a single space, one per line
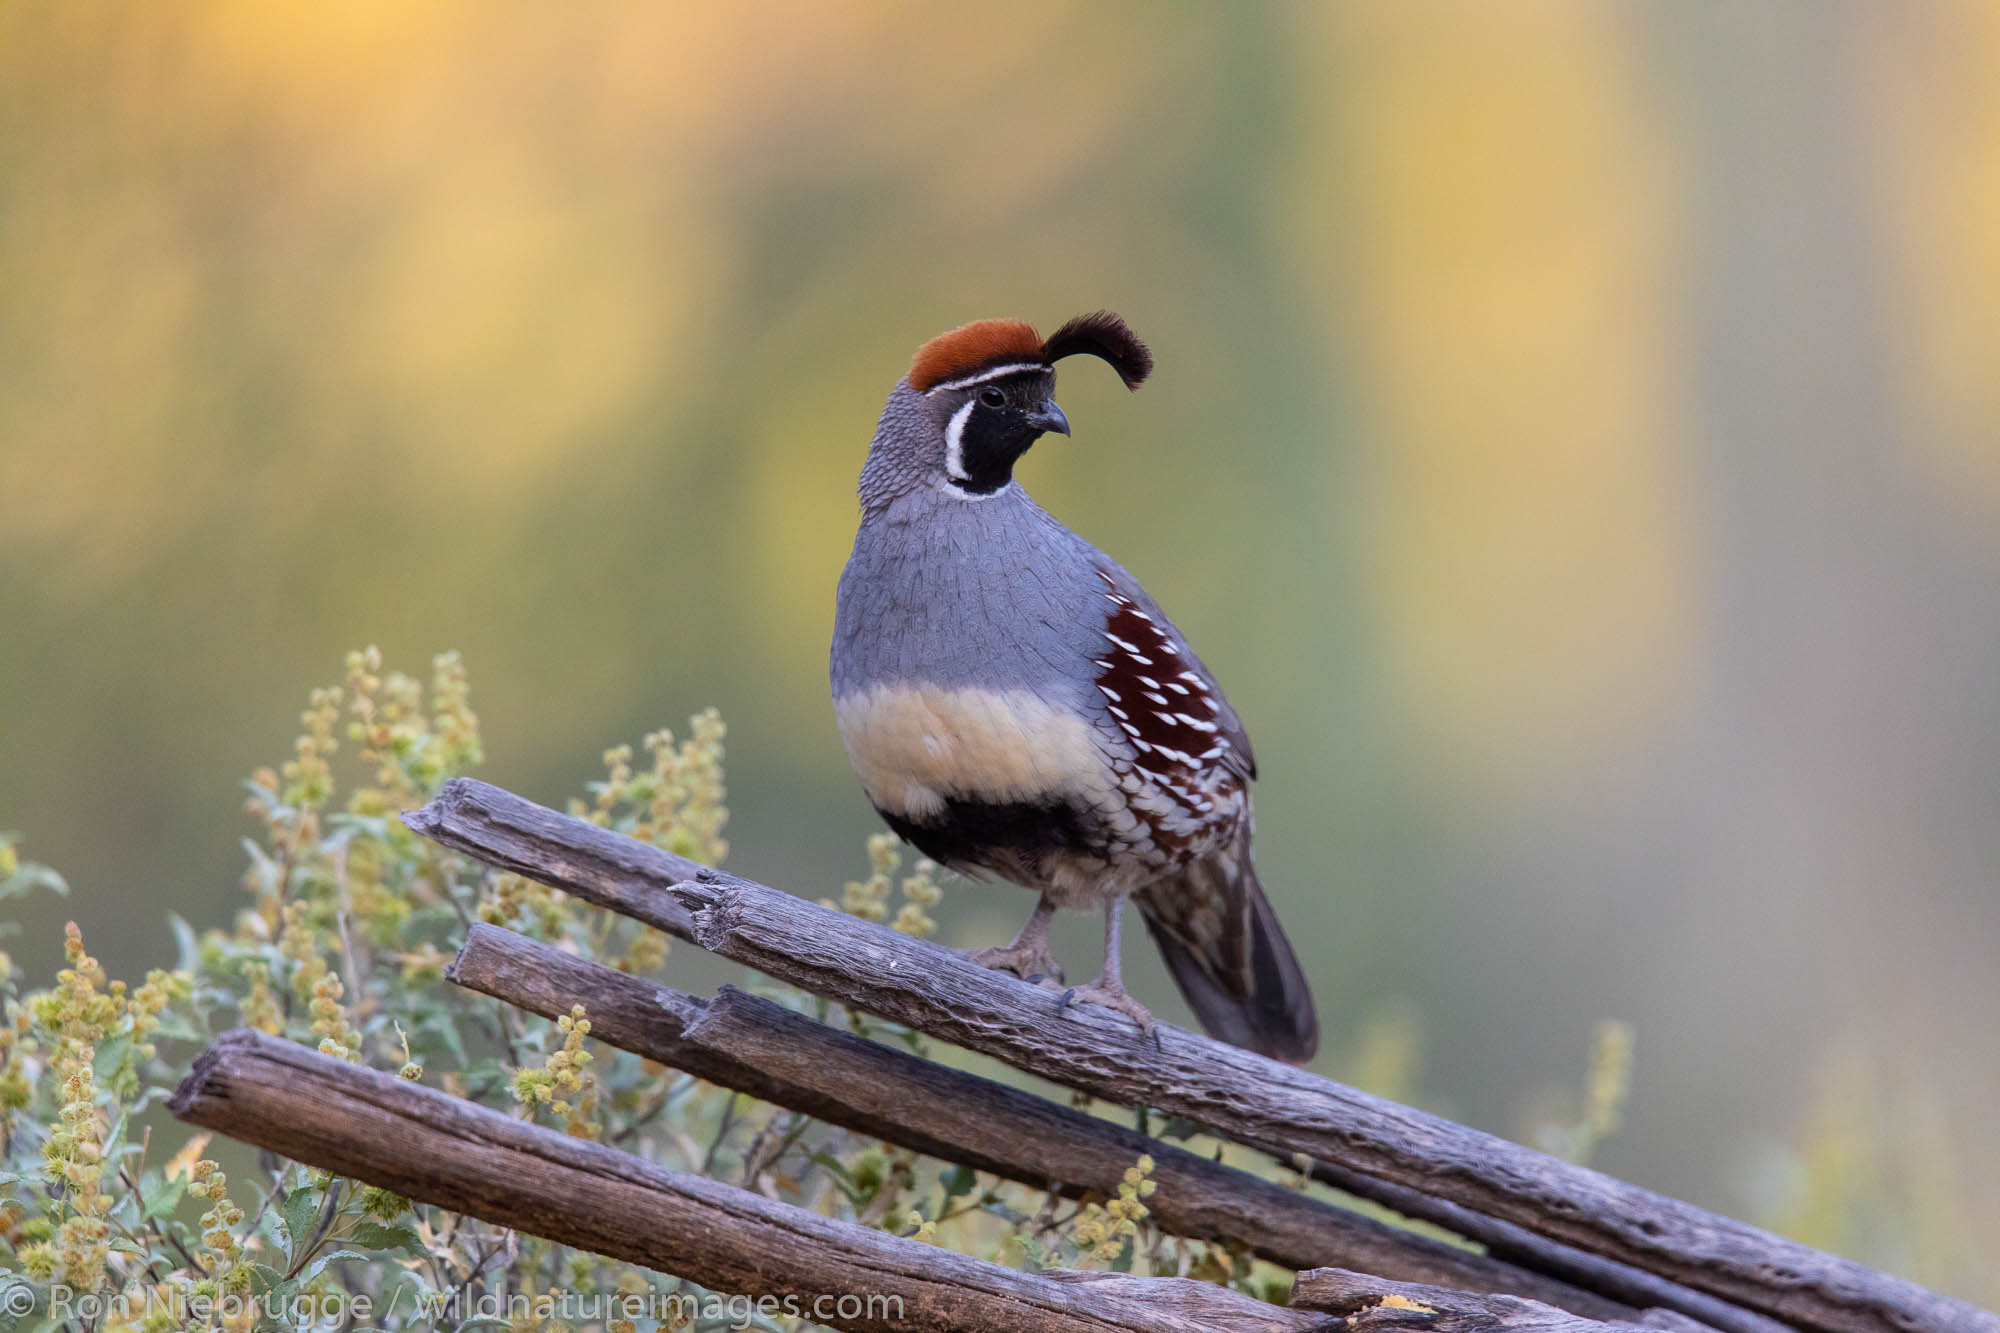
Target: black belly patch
1000 835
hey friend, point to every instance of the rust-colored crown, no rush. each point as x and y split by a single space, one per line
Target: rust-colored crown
993 342
971 347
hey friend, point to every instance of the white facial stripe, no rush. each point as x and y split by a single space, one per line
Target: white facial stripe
985 375
958 492
954 442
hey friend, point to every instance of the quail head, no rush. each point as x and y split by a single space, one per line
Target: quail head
1016 705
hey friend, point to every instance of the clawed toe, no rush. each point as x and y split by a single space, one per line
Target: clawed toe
1029 964
1111 995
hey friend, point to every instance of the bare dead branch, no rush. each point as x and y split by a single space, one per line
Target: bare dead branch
1238 1094
1514 1244
462 1156
750 1044
1371 1305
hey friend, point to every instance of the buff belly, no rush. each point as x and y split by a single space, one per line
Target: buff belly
994 781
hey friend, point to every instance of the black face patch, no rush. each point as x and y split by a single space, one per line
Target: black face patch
983 833
1002 418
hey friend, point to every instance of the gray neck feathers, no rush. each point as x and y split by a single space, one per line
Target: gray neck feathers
957 590
907 452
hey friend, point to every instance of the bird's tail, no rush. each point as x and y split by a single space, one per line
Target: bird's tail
1230 956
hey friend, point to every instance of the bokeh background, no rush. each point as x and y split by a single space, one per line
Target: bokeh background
1576 445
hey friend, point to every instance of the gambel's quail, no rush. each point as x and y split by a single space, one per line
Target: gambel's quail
1016 705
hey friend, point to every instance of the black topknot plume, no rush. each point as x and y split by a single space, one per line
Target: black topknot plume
1102 335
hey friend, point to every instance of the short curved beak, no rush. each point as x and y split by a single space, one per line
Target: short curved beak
1050 418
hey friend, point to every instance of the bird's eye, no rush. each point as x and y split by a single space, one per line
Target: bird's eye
992 397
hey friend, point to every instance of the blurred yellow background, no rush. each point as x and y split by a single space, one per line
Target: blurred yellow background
1576 446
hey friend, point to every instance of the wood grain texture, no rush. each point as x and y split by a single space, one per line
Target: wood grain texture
744 1042
1514 1244
622 875
1238 1094
459 1155
601 866
1367 1304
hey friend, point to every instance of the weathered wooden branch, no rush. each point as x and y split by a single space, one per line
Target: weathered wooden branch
1240 1095
627 877
744 1042
1368 1304
462 1156
1284 1110
1517 1245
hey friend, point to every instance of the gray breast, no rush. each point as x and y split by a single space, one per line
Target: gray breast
961 659
955 592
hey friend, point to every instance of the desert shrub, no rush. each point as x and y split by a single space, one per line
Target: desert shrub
116 1217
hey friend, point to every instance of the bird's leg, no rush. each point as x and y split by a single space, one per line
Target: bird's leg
1109 988
1029 954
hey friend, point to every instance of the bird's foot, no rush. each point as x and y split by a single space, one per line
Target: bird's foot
1111 993
1026 961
